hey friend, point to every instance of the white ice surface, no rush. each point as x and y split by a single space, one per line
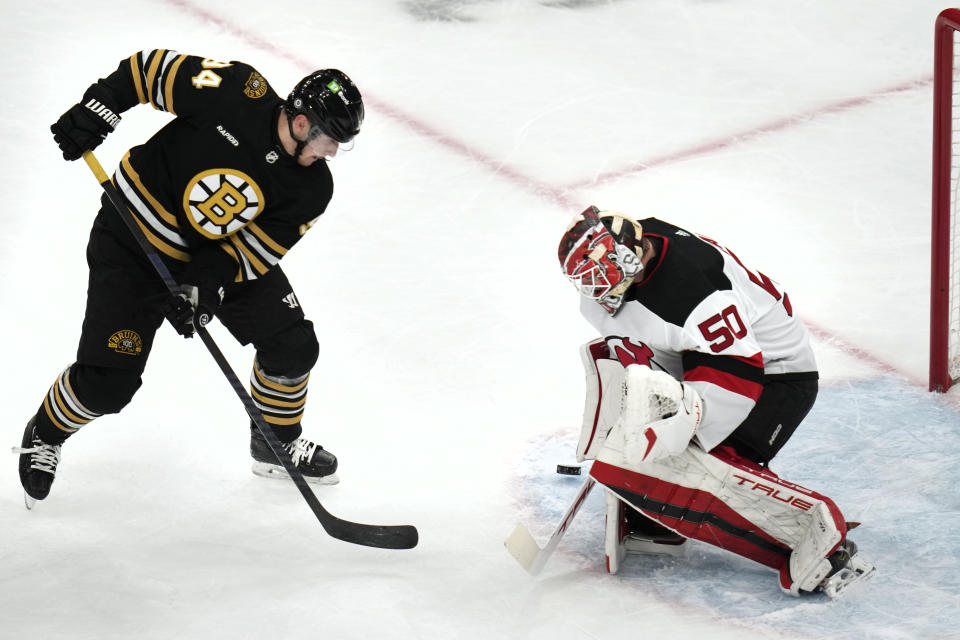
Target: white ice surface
797 133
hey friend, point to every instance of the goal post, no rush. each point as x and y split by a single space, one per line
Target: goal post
945 228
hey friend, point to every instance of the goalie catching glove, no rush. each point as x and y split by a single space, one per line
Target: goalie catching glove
658 415
640 413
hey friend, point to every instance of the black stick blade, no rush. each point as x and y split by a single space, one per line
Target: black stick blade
402 536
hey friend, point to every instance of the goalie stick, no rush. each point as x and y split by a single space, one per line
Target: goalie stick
381 536
525 549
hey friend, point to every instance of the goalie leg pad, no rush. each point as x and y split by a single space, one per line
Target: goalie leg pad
736 505
809 564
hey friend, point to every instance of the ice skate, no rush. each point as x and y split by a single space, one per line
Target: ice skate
628 531
848 569
644 535
317 465
38 465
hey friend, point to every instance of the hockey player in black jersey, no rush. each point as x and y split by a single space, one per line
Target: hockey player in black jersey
222 192
702 375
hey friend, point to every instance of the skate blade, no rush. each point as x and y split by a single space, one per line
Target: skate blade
28 502
856 573
267 470
633 545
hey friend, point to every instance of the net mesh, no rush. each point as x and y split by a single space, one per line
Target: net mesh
662 406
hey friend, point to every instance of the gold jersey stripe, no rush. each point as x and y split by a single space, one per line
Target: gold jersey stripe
152 75
161 246
168 89
137 84
233 254
255 262
165 215
265 239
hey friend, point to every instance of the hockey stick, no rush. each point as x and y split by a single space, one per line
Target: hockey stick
525 549
386 537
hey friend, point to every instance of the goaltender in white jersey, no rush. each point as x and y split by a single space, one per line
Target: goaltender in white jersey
702 374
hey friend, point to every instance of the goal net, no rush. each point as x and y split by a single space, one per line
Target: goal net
945 248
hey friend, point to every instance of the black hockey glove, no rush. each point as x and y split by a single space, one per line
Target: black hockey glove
83 127
193 307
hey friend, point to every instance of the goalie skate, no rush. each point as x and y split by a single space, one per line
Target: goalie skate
630 532
317 465
850 569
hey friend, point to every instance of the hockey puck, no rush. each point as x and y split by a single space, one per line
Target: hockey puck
568 470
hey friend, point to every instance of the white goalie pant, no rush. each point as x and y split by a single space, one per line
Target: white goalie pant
732 503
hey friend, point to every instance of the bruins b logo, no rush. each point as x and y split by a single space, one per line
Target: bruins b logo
220 202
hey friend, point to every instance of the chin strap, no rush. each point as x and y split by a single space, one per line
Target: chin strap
300 143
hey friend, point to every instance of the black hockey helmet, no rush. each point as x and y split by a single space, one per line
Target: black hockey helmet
330 101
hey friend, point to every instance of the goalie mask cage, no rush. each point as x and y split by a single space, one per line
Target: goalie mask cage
945 246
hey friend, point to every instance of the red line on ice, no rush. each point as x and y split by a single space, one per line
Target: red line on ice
752 133
561 195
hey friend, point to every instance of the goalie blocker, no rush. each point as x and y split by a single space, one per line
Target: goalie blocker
640 426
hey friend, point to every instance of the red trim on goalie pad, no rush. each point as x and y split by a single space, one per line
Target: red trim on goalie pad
702 516
730 456
786 581
714 529
725 380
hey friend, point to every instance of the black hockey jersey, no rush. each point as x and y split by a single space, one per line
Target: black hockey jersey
214 185
709 321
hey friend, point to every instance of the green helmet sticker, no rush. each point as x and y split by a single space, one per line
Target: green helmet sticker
334 86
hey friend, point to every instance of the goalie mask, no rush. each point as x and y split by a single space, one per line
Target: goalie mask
600 254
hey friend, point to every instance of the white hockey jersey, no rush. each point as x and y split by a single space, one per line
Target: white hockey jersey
710 321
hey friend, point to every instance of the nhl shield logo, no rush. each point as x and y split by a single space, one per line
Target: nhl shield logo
126 342
256 86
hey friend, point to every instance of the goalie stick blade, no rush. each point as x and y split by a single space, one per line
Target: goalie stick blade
523 548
